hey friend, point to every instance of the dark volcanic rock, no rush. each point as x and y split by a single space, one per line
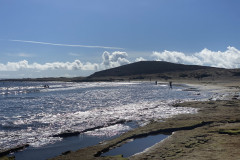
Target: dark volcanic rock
76 133
15 149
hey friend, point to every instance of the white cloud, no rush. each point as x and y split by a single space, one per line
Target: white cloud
90 66
114 59
176 57
14 66
23 65
226 59
140 59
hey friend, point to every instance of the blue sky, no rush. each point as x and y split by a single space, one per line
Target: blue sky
42 38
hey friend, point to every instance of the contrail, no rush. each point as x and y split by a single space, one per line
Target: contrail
65 45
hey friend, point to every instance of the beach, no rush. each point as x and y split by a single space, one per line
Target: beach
120 80
211 133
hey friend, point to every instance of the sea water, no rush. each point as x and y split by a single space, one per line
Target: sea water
31 113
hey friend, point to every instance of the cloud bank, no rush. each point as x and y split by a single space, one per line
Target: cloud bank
24 65
109 60
226 59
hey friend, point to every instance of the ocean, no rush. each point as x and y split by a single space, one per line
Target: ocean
31 113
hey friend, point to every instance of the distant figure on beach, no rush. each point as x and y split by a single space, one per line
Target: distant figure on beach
170 85
155 82
46 86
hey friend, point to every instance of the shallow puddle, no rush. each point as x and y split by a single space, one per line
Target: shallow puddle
51 150
136 146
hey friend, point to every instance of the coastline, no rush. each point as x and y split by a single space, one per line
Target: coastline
212 133
213 117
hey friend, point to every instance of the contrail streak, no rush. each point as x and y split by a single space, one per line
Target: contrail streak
65 45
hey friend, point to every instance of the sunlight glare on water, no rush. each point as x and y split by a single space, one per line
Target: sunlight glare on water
30 113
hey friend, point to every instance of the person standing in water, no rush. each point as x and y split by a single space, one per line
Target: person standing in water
170 85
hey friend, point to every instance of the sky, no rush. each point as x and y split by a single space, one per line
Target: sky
43 38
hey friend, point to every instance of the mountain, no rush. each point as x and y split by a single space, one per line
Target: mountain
145 68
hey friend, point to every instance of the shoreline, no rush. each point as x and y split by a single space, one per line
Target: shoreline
195 135
177 124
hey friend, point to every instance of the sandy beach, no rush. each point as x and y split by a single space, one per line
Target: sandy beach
212 133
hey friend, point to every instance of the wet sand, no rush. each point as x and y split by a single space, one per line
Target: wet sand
212 133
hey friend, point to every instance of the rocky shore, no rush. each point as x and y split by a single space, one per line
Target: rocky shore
212 133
